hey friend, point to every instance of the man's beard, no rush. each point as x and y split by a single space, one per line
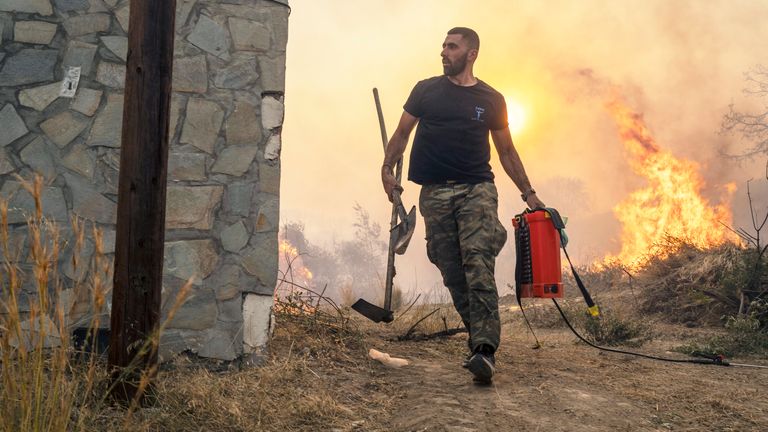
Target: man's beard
457 67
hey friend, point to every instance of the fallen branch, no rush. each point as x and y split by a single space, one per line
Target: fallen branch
436 335
410 330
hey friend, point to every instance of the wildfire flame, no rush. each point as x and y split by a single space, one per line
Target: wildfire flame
671 205
291 264
294 280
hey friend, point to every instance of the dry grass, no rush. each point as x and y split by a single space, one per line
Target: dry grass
692 285
310 382
47 385
41 388
430 313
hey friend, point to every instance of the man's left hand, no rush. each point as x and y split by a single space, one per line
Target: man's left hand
534 202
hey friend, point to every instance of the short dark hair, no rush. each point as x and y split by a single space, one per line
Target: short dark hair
473 40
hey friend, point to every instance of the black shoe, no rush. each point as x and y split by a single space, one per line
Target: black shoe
482 367
465 363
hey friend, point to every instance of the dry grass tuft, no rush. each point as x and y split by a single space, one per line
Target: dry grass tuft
692 285
42 390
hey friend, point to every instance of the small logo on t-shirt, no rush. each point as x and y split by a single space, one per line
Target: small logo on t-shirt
478 112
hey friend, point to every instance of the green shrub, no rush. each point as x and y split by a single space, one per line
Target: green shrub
743 335
612 329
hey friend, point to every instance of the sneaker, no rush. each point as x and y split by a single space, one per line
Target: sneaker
482 367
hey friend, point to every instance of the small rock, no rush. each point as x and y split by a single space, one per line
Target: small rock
190 74
87 101
39 157
123 16
79 25
89 203
34 32
186 166
6 164
72 5
107 128
28 66
177 106
12 125
202 125
238 199
190 258
231 310
40 97
273 73
226 282
234 237
42 7
235 160
261 259
183 9
80 54
221 345
38 332
63 128
111 74
249 35
240 74
272 112
198 312
211 37
269 178
109 237
77 269
268 216
242 126
272 150
80 161
279 22
117 44
21 204
192 206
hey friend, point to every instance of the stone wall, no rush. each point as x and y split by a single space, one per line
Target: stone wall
224 162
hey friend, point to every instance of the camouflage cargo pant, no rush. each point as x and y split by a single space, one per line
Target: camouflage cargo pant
464 236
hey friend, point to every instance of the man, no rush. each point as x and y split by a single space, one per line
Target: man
450 160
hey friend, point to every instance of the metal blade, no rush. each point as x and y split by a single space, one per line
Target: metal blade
405 231
373 312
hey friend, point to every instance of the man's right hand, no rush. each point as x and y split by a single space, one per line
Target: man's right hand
389 182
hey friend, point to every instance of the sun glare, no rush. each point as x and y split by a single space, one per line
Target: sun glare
516 116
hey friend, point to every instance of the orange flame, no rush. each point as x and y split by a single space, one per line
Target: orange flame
291 264
671 205
294 280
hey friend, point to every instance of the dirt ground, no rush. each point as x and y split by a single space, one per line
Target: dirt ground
563 386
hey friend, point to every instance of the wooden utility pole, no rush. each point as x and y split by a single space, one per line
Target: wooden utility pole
141 195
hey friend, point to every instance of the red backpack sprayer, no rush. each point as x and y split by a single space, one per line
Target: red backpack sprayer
539 236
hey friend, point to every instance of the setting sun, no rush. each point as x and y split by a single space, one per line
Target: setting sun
516 116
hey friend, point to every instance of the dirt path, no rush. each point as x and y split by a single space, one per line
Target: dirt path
565 387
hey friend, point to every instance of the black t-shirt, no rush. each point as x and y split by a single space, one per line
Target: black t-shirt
451 142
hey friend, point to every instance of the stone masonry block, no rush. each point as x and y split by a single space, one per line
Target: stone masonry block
192 206
34 32
11 125
250 35
202 124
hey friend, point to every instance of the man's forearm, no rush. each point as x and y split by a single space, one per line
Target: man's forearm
514 168
510 159
395 149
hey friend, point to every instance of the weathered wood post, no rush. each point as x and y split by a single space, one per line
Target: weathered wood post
141 194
